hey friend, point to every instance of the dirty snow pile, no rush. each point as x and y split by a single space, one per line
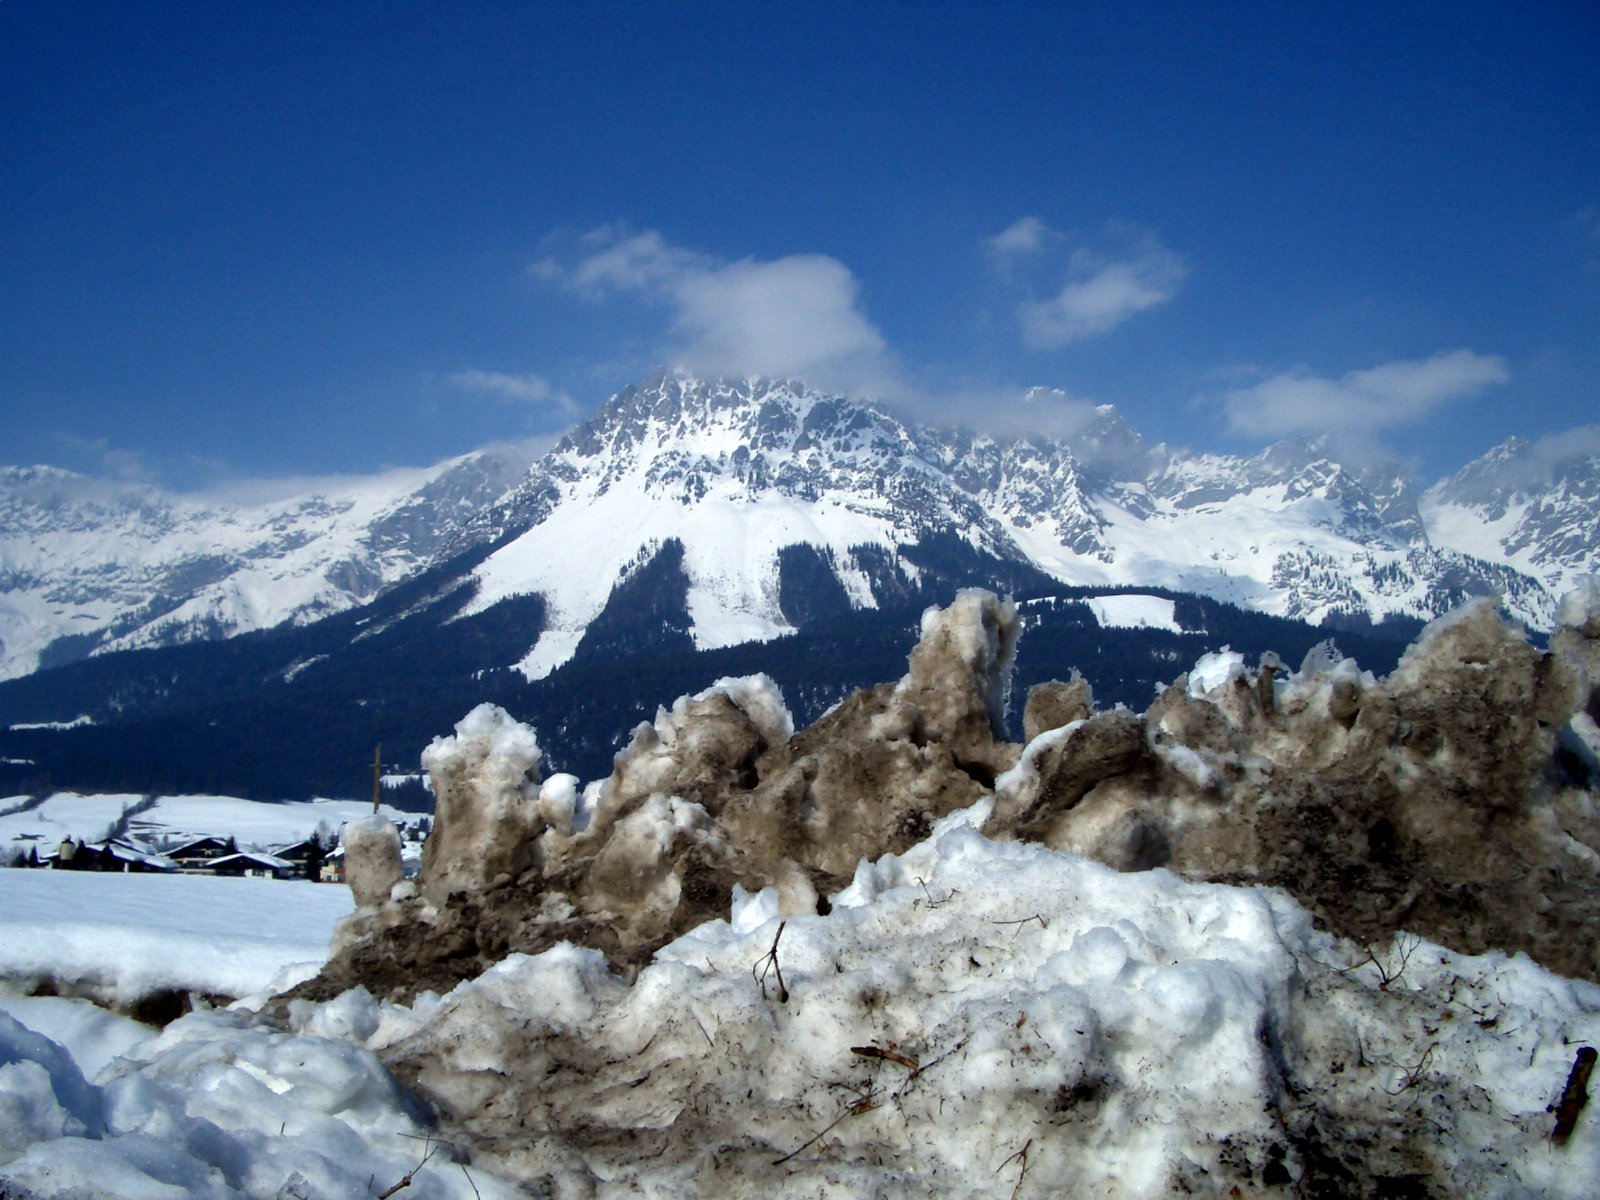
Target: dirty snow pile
971 1016
894 954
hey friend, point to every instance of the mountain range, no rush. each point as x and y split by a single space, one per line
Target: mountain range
744 472
692 528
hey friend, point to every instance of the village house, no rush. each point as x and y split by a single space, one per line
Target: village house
196 857
252 864
114 855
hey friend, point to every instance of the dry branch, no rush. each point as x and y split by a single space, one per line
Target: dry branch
1573 1097
769 962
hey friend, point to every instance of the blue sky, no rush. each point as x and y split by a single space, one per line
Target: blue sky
294 239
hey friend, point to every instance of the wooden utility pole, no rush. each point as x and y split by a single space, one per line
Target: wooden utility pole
377 774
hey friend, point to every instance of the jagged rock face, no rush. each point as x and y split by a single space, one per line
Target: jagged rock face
1535 504
89 567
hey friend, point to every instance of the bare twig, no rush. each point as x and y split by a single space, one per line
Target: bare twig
1405 945
1021 1156
930 901
1043 924
889 1054
864 1103
1412 1075
769 962
405 1181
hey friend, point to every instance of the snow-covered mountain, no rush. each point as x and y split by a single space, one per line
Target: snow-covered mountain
89 566
1534 506
737 471
747 500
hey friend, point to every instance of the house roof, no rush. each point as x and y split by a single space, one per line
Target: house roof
265 860
122 851
201 841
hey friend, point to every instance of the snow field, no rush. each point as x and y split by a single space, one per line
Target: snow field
120 938
1134 612
254 822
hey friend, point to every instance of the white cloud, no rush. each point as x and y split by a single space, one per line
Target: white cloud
97 456
1006 412
530 389
793 316
1025 236
1361 402
1545 457
1089 289
1097 298
640 261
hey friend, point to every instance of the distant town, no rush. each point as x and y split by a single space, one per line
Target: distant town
318 858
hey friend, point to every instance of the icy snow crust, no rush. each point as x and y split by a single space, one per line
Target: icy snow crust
1139 1035
219 1107
857 960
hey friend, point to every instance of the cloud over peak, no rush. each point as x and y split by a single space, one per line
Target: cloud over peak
798 315
1360 403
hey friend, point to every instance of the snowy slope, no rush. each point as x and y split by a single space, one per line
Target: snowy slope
737 470
86 565
1535 506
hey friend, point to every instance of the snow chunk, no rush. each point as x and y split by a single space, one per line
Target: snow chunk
759 698
558 801
372 859
1580 608
221 1106
43 1094
486 811
975 638
1164 1036
1214 671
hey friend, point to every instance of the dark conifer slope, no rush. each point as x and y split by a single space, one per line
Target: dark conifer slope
295 712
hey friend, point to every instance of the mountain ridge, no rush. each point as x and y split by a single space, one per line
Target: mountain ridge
738 471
